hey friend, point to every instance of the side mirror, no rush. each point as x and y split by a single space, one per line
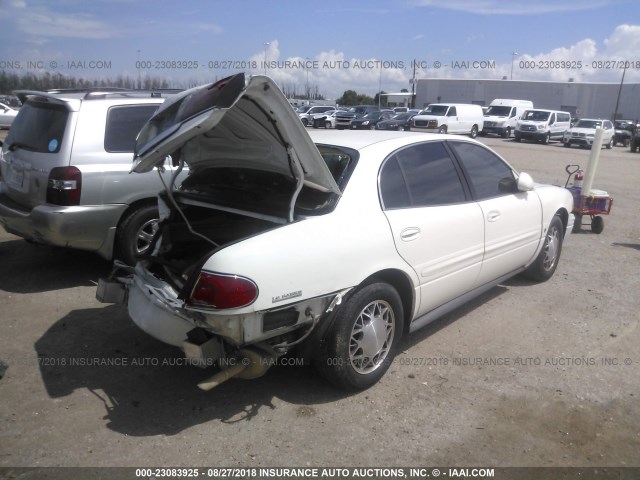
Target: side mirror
525 182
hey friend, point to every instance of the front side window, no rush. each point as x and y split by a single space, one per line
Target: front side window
489 175
123 125
420 176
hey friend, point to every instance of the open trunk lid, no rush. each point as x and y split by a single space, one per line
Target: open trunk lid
234 124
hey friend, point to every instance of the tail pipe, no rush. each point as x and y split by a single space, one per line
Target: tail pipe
249 364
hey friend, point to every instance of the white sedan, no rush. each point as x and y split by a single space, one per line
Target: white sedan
334 245
7 115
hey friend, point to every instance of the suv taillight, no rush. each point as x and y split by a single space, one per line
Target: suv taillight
220 291
64 186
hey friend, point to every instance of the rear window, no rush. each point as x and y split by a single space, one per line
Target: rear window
39 127
123 125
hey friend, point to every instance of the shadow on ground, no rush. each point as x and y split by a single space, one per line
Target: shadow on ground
29 268
147 387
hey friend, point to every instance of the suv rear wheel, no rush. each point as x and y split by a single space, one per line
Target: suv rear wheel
136 233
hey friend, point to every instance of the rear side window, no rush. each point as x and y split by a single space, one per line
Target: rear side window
420 176
39 127
123 125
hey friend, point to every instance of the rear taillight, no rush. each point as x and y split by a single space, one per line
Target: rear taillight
220 291
64 186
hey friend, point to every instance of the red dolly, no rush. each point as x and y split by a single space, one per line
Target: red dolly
594 205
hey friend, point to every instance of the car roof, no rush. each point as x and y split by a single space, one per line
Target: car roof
359 139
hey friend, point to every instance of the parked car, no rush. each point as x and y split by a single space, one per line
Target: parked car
370 120
344 118
335 245
584 131
462 118
503 114
65 168
7 115
634 143
401 121
623 132
542 125
325 120
306 114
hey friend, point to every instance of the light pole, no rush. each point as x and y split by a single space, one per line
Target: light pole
139 80
615 113
513 55
308 92
380 87
266 44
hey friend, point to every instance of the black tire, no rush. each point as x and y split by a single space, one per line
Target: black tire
327 124
610 144
517 138
474 131
597 225
136 232
363 339
545 264
546 139
443 129
305 122
567 144
507 133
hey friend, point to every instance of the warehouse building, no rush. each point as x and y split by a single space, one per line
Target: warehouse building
582 100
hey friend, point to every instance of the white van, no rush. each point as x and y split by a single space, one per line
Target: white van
449 118
542 125
503 114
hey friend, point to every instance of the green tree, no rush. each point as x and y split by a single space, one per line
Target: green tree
349 97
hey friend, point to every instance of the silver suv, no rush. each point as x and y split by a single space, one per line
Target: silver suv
65 172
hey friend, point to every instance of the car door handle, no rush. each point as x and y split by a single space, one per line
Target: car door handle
410 233
493 215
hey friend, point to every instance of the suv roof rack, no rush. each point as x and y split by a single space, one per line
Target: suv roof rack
103 92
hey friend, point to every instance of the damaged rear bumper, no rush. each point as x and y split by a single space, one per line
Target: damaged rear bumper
154 307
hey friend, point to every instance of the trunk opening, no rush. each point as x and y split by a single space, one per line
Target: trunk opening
224 205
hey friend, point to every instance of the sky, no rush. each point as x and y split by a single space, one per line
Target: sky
325 46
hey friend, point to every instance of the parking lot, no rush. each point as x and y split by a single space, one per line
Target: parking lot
525 375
